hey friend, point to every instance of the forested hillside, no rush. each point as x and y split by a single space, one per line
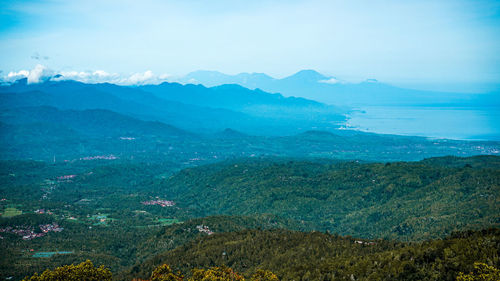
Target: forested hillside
409 201
123 213
319 256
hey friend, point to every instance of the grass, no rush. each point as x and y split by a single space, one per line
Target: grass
50 254
160 222
166 222
11 212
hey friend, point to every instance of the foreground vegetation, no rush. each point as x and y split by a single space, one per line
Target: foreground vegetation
310 256
108 212
87 271
318 256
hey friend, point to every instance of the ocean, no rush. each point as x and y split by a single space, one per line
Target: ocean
435 122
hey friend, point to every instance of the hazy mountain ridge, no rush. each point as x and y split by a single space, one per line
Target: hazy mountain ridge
224 96
43 133
195 108
69 112
125 100
92 122
330 90
256 103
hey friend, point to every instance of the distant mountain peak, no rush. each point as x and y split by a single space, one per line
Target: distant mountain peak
308 75
22 81
229 133
254 75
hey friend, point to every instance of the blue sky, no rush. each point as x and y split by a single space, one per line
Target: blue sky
440 43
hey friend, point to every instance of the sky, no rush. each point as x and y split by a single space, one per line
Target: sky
425 43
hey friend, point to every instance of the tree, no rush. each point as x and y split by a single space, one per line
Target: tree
222 273
84 271
481 272
264 275
165 273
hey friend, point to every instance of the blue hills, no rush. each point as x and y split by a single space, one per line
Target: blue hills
186 123
192 107
330 90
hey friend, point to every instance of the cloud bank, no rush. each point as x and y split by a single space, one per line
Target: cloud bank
41 73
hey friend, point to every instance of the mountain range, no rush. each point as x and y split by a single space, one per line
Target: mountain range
70 120
191 107
331 90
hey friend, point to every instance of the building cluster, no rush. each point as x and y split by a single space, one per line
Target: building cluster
163 203
43 211
66 177
28 233
204 229
50 227
99 157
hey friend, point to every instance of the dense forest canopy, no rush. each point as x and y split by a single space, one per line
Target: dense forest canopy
415 201
472 255
131 216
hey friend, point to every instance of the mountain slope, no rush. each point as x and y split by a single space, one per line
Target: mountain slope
124 100
256 103
47 132
400 200
223 96
91 122
318 256
194 108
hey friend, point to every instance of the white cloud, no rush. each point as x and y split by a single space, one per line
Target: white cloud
330 81
13 76
141 78
165 76
193 81
101 73
98 76
41 73
38 74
